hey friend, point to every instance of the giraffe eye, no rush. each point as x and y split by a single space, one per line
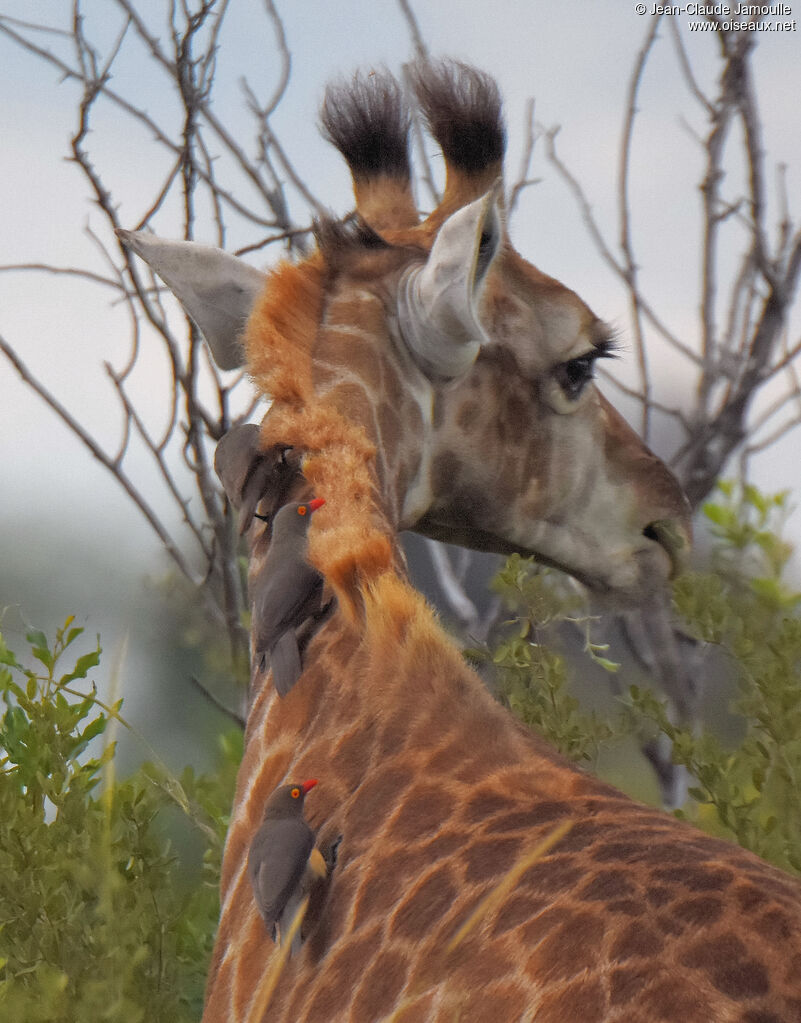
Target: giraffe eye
295 793
573 376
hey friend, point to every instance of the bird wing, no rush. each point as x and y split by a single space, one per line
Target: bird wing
284 595
285 662
278 856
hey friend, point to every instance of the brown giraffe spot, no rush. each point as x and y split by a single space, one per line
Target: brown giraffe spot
606 885
616 852
658 895
748 897
583 1002
377 895
654 850
626 906
626 982
515 911
353 402
345 961
493 1003
773 885
758 1016
468 414
485 803
636 941
444 844
351 757
793 972
442 760
485 964
375 801
582 834
668 925
671 1001
696 878
514 414
381 986
424 810
775 926
521 820
730 970
423 908
445 472
338 907
489 858
472 771
570 949
394 735
553 873
542 925
701 911
348 349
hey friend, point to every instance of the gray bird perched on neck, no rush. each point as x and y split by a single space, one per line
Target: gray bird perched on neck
283 862
289 591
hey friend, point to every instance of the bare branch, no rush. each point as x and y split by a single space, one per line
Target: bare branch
686 67
604 250
420 48
67 271
523 181
629 265
88 441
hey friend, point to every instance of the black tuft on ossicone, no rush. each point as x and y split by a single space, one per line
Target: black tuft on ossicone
368 122
462 107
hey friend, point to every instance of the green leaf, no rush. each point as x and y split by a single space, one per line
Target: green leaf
82 667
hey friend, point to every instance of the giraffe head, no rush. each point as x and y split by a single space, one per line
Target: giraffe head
467 371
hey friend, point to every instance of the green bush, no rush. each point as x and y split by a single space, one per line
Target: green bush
741 609
99 918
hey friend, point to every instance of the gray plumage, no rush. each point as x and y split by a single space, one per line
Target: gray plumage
252 475
287 592
279 856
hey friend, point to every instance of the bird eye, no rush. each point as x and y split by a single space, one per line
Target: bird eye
302 509
295 793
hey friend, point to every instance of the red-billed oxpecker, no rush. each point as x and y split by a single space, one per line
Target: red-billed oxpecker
283 862
289 591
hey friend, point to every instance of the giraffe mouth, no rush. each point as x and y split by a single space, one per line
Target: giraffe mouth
615 581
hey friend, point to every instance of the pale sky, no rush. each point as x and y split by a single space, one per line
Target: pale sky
60 511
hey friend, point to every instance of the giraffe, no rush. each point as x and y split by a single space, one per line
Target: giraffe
423 375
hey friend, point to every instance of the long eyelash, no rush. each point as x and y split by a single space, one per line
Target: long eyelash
607 348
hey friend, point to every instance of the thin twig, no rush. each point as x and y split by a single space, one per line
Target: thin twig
624 213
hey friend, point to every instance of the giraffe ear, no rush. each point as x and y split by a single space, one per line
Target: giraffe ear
437 302
215 288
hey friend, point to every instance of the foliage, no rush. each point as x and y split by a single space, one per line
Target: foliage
99 917
745 608
745 615
533 675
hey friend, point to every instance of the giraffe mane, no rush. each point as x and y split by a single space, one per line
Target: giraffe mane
349 543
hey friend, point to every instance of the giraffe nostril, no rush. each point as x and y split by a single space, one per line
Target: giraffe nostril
673 537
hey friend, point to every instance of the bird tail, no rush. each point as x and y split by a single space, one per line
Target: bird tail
285 662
